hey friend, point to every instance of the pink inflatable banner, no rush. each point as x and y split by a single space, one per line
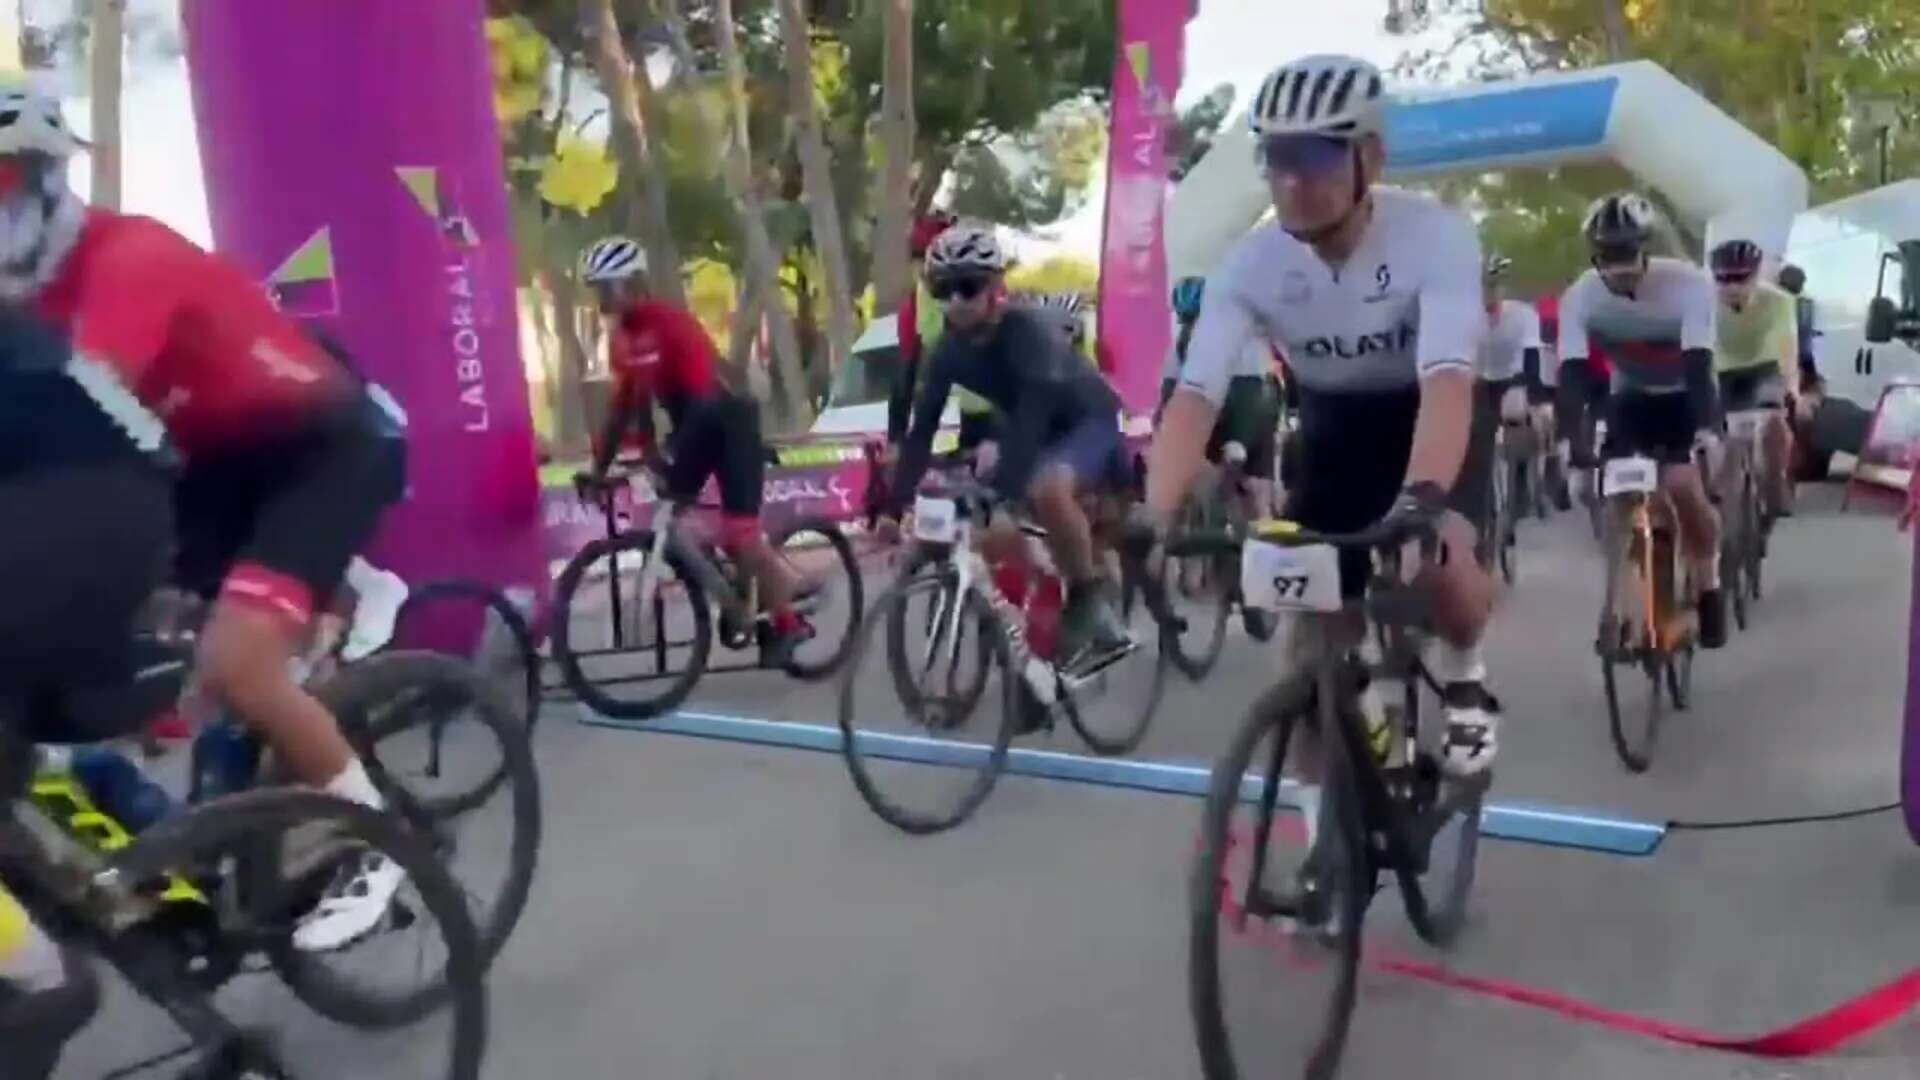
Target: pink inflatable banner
1135 322
353 163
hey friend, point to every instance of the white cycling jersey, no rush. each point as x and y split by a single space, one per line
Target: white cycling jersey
1255 361
1406 304
1511 331
1670 312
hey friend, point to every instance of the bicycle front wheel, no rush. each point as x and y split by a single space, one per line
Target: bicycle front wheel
1623 648
256 832
1112 709
934 768
646 658
1201 590
1273 938
818 553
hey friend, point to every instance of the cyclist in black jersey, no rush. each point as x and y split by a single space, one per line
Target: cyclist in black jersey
1059 429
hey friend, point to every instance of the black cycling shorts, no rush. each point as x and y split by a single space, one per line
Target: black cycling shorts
86 546
279 521
1752 388
1659 426
1352 463
719 435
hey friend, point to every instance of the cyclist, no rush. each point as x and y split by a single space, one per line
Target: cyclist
1374 293
1794 280
922 321
1757 359
1656 317
1547 310
1061 433
93 486
658 351
1250 413
1509 361
286 471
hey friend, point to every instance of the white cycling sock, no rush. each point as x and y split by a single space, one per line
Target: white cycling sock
354 785
1310 809
1452 665
1713 572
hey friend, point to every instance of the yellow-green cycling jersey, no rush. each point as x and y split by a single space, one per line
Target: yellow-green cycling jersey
1763 331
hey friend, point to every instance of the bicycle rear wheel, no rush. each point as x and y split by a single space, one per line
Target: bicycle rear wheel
949 720
817 550
1303 922
632 650
1112 709
1201 589
504 647
249 831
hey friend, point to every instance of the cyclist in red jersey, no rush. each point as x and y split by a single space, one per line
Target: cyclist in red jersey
286 462
659 352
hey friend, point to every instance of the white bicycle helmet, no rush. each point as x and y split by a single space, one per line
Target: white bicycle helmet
966 247
1622 220
615 258
1497 267
30 123
1067 303
1337 96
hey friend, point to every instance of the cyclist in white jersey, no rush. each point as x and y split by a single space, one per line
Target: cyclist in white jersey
1509 362
1655 317
1374 295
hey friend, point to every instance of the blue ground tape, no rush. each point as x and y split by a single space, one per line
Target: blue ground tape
1537 824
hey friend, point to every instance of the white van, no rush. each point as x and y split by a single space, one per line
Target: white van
1851 251
857 400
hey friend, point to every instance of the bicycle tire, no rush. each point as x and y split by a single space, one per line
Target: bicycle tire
1680 678
898 664
1635 753
221 825
566 590
1277 711
1197 661
359 691
1439 923
1129 738
995 637
816 670
519 630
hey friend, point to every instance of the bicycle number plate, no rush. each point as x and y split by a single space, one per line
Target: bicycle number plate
1277 578
1625 476
933 520
1746 423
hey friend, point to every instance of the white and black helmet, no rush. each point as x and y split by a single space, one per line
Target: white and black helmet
966 247
615 258
1336 96
30 123
1497 267
1625 220
1067 303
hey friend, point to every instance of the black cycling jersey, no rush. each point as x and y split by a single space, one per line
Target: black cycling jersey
1030 375
47 418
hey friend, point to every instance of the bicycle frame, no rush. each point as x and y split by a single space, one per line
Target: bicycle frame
1636 513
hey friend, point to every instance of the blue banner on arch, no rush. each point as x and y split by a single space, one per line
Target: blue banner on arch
1556 118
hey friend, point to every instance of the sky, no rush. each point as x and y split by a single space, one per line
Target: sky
1234 41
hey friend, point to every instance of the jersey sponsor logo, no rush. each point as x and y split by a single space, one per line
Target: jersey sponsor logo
103 385
1400 339
1382 281
280 365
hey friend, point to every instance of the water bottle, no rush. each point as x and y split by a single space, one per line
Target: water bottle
226 758
120 789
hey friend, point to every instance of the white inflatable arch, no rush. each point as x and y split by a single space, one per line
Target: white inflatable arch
1720 176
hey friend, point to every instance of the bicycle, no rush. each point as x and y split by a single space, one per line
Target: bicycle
504 647
690 578
1014 636
1744 521
1494 544
1384 804
212 893
1647 619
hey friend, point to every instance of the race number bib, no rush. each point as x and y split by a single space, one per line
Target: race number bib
933 520
1625 476
1746 423
642 487
1277 578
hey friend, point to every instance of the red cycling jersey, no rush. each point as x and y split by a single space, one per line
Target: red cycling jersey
197 343
660 351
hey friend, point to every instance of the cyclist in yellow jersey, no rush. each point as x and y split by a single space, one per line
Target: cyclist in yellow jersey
1757 359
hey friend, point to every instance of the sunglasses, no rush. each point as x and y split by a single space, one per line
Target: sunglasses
1732 279
1303 155
1617 260
962 288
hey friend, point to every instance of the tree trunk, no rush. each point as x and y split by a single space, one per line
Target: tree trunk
895 202
572 427
763 266
1613 21
109 40
817 170
622 81
746 322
